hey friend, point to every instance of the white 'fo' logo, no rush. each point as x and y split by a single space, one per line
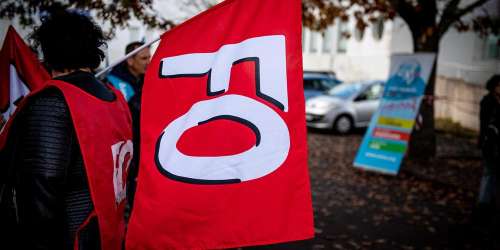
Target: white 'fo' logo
121 163
271 132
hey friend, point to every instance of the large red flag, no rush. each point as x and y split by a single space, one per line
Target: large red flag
223 137
20 74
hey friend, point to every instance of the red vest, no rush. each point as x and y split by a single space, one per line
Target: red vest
104 132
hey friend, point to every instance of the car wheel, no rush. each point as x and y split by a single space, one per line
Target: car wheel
343 124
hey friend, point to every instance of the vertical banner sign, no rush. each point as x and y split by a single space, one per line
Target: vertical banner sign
223 138
386 140
20 74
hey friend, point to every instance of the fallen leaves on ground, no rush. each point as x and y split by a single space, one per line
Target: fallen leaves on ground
417 209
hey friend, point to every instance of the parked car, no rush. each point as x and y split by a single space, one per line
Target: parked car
316 83
345 106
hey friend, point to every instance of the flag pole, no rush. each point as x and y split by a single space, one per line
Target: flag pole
126 57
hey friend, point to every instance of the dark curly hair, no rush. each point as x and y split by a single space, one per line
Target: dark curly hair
69 41
493 82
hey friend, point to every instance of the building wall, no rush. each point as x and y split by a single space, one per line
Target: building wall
459 101
356 59
365 58
465 56
313 47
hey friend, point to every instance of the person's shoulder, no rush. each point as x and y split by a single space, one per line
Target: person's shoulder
48 101
88 83
48 94
121 71
487 99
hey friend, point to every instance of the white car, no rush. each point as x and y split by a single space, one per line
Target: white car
344 106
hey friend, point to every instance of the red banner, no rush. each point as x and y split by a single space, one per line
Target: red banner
223 136
20 74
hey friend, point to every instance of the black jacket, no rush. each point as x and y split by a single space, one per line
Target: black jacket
121 71
47 195
489 112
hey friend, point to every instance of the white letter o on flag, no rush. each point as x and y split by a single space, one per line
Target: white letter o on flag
270 151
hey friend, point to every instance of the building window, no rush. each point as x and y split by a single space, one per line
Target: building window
378 28
313 43
359 34
304 30
492 47
342 37
134 33
328 40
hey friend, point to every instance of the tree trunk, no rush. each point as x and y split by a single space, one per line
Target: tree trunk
423 140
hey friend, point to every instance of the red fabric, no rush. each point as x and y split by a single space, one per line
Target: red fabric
30 71
391 134
173 214
100 125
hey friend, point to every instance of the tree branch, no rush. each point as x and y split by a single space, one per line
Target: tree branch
452 14
470 8
449 9
447 17
427 12
406 11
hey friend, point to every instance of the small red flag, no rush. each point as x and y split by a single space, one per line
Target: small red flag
20 74
223 136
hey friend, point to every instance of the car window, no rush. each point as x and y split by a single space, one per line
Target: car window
344 91
308 84
329 83
374 92
313 84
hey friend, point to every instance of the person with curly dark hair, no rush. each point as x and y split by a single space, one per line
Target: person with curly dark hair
70 145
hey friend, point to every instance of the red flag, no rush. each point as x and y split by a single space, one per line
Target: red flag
20 74
223 150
